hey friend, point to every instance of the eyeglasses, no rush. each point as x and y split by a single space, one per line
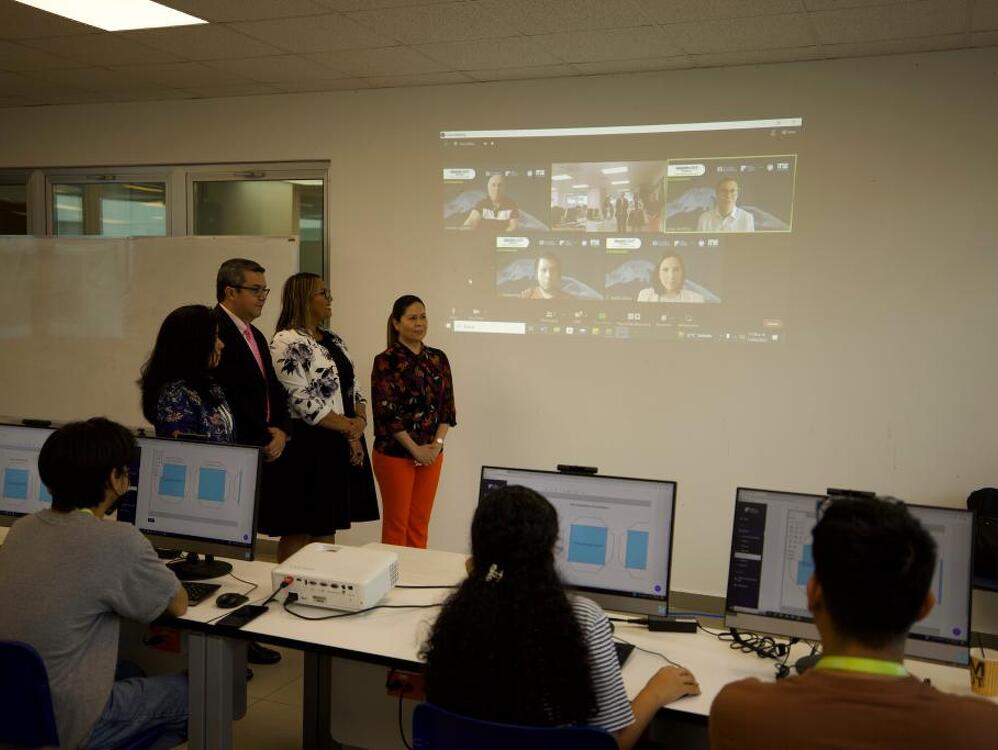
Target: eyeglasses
259 291
324 293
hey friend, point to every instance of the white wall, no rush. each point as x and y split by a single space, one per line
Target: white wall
887 378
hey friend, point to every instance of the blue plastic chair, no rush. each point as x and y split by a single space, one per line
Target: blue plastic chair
26 715
434 728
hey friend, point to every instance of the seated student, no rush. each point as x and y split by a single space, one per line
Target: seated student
67 576
873 565
511 646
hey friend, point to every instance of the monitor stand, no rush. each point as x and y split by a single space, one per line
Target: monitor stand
194 568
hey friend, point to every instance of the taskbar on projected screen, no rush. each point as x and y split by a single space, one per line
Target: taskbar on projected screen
674 327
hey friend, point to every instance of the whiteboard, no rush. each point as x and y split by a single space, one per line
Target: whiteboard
79 316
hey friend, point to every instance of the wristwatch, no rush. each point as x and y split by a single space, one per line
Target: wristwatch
440 442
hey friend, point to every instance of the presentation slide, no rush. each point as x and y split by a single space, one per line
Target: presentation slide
199 490
572 231
21 489
614 534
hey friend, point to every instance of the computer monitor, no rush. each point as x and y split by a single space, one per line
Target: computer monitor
197 497
771 561
615 536
21 489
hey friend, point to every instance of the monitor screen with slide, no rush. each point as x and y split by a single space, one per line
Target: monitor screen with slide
21 489
670 231
197 497
771 562
615 536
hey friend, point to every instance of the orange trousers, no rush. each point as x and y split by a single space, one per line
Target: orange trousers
407 492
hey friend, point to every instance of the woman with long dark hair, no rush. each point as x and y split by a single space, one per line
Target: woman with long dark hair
511 646
328 476
413 396
179 394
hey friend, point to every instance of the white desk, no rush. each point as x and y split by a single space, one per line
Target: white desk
393 637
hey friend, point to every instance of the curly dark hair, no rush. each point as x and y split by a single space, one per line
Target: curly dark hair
509 649
183 351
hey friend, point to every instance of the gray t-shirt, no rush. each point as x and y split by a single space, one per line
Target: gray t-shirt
65 578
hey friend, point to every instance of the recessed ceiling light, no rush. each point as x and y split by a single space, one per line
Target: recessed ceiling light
116 15
559 177
620 182
614 170
579 187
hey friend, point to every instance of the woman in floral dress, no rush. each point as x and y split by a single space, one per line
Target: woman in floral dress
329 480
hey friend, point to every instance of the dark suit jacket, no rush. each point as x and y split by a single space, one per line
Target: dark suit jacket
245 387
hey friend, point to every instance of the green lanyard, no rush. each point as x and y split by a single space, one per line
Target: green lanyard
87 511
858 664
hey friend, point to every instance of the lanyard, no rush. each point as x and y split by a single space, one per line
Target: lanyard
858 664
86 510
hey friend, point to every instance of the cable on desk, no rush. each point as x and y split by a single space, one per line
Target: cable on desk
659 654
288 601
254 586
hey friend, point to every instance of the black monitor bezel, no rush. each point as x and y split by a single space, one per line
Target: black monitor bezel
612 599
202 545
926 648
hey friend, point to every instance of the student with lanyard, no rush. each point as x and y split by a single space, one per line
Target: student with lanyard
873 566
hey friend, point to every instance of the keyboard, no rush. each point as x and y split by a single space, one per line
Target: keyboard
197 592
623 650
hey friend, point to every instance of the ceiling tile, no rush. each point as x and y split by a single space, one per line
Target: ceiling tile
249 89
633 66
15 56
333 84
204 42
91 79
926 18
896 46
19 21
984 16
551 16
248 10
101 49
15 84
349 5
313 34
516 74
280 68
422 79
383 61
841 4
677 11
757 57
514 52
437 23
613 44
742 34
984 38
181 75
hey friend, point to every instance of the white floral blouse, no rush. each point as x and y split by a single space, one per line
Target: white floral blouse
309 375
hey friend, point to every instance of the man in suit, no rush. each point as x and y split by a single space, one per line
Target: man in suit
246 374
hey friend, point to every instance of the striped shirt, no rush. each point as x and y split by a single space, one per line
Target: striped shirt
613 709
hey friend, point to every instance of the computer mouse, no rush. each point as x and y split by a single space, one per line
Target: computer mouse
228 601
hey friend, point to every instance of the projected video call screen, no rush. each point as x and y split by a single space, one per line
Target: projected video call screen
674 231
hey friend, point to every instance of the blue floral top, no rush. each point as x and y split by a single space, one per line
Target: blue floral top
180 409
309 375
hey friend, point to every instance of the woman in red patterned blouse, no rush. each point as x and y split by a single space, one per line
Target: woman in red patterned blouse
413 405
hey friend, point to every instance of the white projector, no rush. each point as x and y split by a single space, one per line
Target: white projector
338 577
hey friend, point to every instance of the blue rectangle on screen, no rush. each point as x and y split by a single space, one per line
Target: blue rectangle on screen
173 480
211 485
806 565
15 484
44 495
637 550
587 544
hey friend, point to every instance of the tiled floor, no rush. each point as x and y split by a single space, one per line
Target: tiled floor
274 713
